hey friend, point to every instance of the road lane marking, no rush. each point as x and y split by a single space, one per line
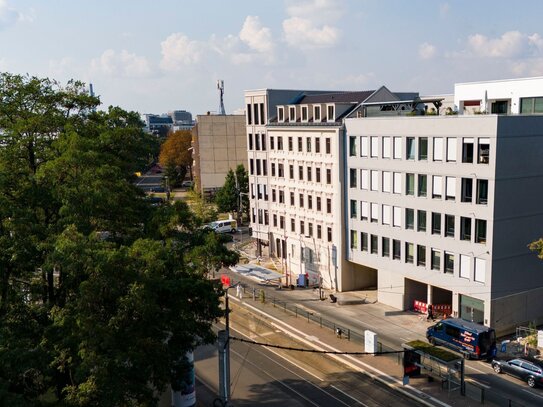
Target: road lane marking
348 395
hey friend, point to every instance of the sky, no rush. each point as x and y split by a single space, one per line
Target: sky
163 55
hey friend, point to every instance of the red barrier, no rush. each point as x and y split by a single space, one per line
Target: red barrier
225 280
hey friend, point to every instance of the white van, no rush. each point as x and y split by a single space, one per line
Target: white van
224 226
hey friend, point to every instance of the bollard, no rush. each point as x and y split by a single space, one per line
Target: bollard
254 294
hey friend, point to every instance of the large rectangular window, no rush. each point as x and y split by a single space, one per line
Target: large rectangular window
386 214
374 180
387 181
482 191
328 176
436 223
450 188
449 263
374 244
467 190
353 209
397 216
352 177
423 180
410 184
467 150
396 249
354 243
480 270
352 146
437 186
480 231
436 259
364 241
465 266
449 225
397 147
438 149
374 144
328 145
531 105
483 153
421 221
423 148
397 183
409 252
409 218
421 255
317 113
410 148
465 228
374 212
386 147
249 114
385 247
364 146
451 149
364 210
364 179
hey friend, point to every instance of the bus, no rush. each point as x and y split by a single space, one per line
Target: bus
470 339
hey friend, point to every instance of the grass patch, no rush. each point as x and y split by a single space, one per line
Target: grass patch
434 351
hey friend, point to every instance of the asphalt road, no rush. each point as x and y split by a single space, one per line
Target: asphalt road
149 181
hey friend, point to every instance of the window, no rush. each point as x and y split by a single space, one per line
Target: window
329 234
363 146
280 171
291 171
317 113
437 186
364 241
352 177
374 213
309 173
328 176
292 199
467 190
265 167
423 148
397 147
410 148
480 270
386 214
387 181
281 197
281 114
499 107
409 218
251 167
482 191
467 150
436 223
397 183
410 184
282 222
255 106
373 244
257 142
352 146
436 259
450 188
423 180
385 247
319 203
274 220
449 263
386 147
364 210
263 141
302 227
250 138
364 179
396 249
328 205
292 113
421 221
397 216
300 172
310 229
249 114
300 144
258 168
374 142
318 174
353 239
301 200
421 255
319 232
272 143
449 225
465 228
308 144
531 105
273 195
465 266
374 180
317 145
280 143
451 149
483 153
328 145
331 116
292 225
353 209
409 252
262 116
304 113
438 149
310 202
480 231
290 144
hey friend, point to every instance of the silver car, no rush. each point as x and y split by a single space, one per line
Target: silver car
528 371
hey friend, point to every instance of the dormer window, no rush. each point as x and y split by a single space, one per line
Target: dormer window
304 114
281 114
331 113
292 114
317 113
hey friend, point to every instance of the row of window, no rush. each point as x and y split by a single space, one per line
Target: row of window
304 201
305 113
302 144
313 230
255 113
440 224
260 167
442 149
442 186
439 260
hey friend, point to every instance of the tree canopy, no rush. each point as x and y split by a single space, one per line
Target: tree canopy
175 155
101 293
236 185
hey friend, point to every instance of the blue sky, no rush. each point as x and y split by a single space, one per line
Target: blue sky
156 56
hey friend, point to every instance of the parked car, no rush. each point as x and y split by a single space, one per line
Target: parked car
529 371
187 184
223 226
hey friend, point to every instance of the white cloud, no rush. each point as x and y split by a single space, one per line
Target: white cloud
9 15
179 50
511 44
427 51
255 36
124 64
532 68
310 23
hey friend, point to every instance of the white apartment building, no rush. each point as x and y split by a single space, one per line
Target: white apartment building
296 143
442 208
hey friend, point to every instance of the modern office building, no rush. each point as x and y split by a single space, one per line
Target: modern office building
296 142
441 209
219 144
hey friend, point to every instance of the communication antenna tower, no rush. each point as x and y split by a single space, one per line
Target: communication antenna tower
220 87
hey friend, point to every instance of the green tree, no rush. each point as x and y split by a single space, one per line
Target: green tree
233 196
175 156
101 294
537 247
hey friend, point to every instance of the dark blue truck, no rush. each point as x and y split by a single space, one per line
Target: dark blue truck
470 339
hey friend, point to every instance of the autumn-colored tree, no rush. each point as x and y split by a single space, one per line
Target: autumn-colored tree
175 156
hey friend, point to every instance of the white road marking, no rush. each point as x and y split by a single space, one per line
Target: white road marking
348 395
477 370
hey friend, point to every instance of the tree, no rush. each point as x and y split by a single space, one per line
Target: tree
233 196
537 246
101 294
176 157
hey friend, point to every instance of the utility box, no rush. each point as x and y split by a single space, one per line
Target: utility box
370 342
